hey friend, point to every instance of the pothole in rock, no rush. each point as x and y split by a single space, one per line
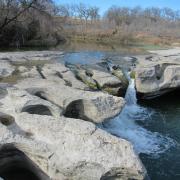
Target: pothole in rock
6 120
15 165
37 109
74 109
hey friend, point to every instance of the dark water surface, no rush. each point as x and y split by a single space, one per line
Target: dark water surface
165 120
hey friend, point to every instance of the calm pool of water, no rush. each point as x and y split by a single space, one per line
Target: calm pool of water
166 121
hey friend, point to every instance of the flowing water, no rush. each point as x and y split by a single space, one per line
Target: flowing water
154 132
153 127
125 125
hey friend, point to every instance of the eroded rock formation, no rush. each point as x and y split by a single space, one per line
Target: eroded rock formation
157 78
45 131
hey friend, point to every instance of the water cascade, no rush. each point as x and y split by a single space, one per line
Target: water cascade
125 126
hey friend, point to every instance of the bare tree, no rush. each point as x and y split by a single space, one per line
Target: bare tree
94 13
83 12
19 16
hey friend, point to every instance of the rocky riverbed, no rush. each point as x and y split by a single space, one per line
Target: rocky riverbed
51 111
48 117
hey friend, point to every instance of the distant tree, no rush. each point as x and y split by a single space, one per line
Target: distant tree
83 11
119 15
94 13
168 14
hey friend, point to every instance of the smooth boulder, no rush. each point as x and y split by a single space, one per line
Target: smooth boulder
157 79
76 103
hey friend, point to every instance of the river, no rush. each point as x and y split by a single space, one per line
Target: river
155 133
153 128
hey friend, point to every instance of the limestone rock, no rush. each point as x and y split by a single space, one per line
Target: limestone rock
59 72
70 148
30 56
25 73
38 138
96 109
86 79
22 69
6 69
90 106
157 79
24 102
109 83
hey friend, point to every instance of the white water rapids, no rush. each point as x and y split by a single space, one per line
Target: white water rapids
125 126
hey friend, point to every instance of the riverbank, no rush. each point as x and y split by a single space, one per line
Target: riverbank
48 120
69 94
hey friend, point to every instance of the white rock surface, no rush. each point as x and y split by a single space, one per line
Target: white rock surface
91 106
157 79
105 79
59 72
36 135
30 56
70 148
6 69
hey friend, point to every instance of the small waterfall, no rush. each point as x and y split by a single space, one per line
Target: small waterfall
130 96
125 126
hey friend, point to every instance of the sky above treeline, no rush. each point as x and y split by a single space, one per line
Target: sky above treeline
105 4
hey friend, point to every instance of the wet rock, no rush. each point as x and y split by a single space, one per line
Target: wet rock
124 80
88 80
109 83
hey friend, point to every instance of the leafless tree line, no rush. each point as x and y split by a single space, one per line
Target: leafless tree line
156 21
27 22
81 11
126 15
123 21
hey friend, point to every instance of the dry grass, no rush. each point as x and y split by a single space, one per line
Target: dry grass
103 32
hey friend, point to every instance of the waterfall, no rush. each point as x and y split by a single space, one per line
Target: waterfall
125 126
130 96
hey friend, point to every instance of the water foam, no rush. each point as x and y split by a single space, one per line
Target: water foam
125 126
